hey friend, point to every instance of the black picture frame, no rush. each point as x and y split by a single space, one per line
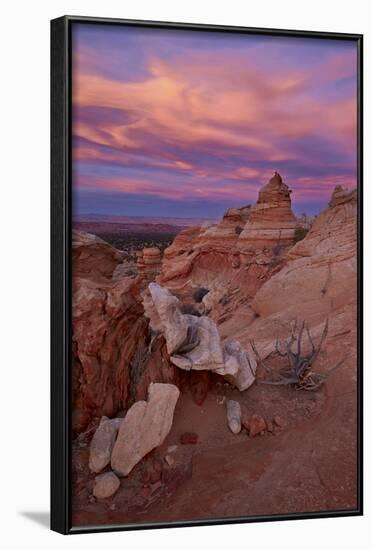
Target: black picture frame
61 270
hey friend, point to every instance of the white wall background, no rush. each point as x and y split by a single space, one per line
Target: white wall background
24 272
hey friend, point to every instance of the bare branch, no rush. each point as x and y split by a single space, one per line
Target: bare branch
300 375
310 340
315 354
299 338
259 359
281 382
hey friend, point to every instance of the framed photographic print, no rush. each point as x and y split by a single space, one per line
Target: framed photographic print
206 274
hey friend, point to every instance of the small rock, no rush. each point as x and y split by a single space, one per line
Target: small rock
269 426
189 438
113 507
105 485
169 460
256 425
172 448
234 416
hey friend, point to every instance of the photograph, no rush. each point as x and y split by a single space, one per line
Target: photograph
214 344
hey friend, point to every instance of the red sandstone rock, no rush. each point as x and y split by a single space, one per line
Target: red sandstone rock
109 331
92 257
245 247
255 425
148 264
271 220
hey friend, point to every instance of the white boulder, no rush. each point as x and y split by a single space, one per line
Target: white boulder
234 416
105 485
144 427
102 443
194 343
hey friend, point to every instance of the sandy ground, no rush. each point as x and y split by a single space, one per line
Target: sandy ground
307 464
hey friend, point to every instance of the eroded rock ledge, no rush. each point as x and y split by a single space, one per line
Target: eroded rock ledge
194 343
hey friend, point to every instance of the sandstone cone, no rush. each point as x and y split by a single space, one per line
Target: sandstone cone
271 220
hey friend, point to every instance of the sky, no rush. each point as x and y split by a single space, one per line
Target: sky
189 123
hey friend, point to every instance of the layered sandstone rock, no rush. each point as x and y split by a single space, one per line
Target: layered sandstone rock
237 216
318 282
144 427
179 257
112 361
271 220
342 196
108 325
194 343
243 250
148 263
92 257
224 234
320 276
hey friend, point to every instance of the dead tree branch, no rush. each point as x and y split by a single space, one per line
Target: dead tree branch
300 371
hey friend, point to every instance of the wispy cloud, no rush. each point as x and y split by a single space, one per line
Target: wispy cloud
215 122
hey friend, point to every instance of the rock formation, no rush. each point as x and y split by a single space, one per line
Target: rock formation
128 333
320 276
243 250
271 221
110 343
318 282
144 427
259 283
149 263
194 343
92 257
108 327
